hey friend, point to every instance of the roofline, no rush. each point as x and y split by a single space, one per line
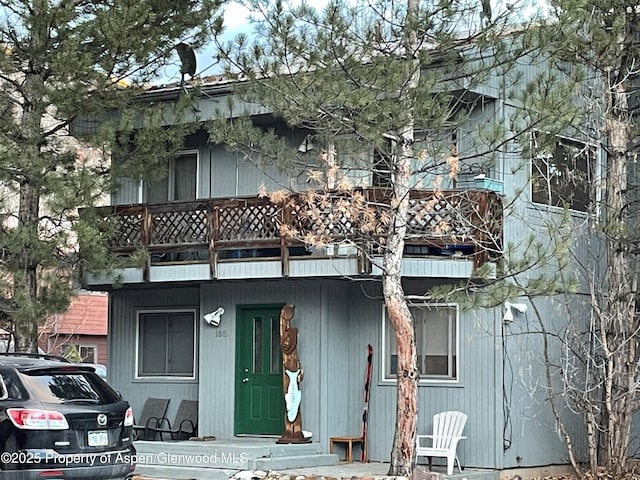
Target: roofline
221 84
172 91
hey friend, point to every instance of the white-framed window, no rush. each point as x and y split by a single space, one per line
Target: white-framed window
166 344
178 184
84 353
437 342
562 172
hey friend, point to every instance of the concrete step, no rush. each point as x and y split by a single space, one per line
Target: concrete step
170 472
231 455
234 452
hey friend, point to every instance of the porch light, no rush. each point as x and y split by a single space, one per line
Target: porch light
508 312
214 317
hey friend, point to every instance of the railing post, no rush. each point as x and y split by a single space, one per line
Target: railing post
146 235
213 222
285 217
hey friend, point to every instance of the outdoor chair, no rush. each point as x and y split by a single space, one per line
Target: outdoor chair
153 412
184 426
447 432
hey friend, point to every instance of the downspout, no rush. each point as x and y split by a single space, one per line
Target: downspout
499 440
323 433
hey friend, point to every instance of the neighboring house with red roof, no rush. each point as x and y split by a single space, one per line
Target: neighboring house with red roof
82 329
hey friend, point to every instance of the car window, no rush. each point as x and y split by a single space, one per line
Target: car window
3 390
69 387
12 388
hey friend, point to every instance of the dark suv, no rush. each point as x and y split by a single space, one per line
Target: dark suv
60 420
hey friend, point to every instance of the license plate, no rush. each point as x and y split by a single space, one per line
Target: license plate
98 438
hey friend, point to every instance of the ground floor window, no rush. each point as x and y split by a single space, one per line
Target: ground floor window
166 344
81 353
436 333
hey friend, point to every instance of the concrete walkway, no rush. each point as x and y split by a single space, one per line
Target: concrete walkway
263 459
354 471
378 471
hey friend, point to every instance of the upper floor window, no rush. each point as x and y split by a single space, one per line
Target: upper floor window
436 335
431 165
178 183
436 158
562 172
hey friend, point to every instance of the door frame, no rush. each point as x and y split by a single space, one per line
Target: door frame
238 374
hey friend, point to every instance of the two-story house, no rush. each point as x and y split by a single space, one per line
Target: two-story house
215 250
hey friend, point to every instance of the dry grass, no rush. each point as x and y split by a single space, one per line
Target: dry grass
603 474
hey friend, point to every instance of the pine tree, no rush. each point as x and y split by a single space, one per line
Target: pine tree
363 81
64 65
602 38
589 92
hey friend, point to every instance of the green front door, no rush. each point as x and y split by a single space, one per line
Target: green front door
259 402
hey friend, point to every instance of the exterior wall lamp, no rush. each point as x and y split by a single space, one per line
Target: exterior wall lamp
508 310
214 317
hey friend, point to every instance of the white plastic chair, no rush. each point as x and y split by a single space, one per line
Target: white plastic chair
447 432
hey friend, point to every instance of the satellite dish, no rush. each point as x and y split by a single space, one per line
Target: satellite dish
187 60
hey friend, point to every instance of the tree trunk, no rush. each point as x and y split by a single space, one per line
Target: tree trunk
403 450
619 343
25 282
404 441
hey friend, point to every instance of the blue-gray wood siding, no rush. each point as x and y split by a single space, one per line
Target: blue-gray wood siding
500 385
321 319
124 306
222 173
531 434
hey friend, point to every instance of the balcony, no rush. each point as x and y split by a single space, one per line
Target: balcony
219 234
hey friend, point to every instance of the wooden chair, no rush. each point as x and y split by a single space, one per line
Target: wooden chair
153 412
184 426
447 432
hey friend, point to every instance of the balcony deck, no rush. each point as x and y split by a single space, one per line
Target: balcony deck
304 234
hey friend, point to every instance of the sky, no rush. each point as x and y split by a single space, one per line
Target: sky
236 20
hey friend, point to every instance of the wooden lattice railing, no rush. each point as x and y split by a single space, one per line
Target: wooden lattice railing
438 219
